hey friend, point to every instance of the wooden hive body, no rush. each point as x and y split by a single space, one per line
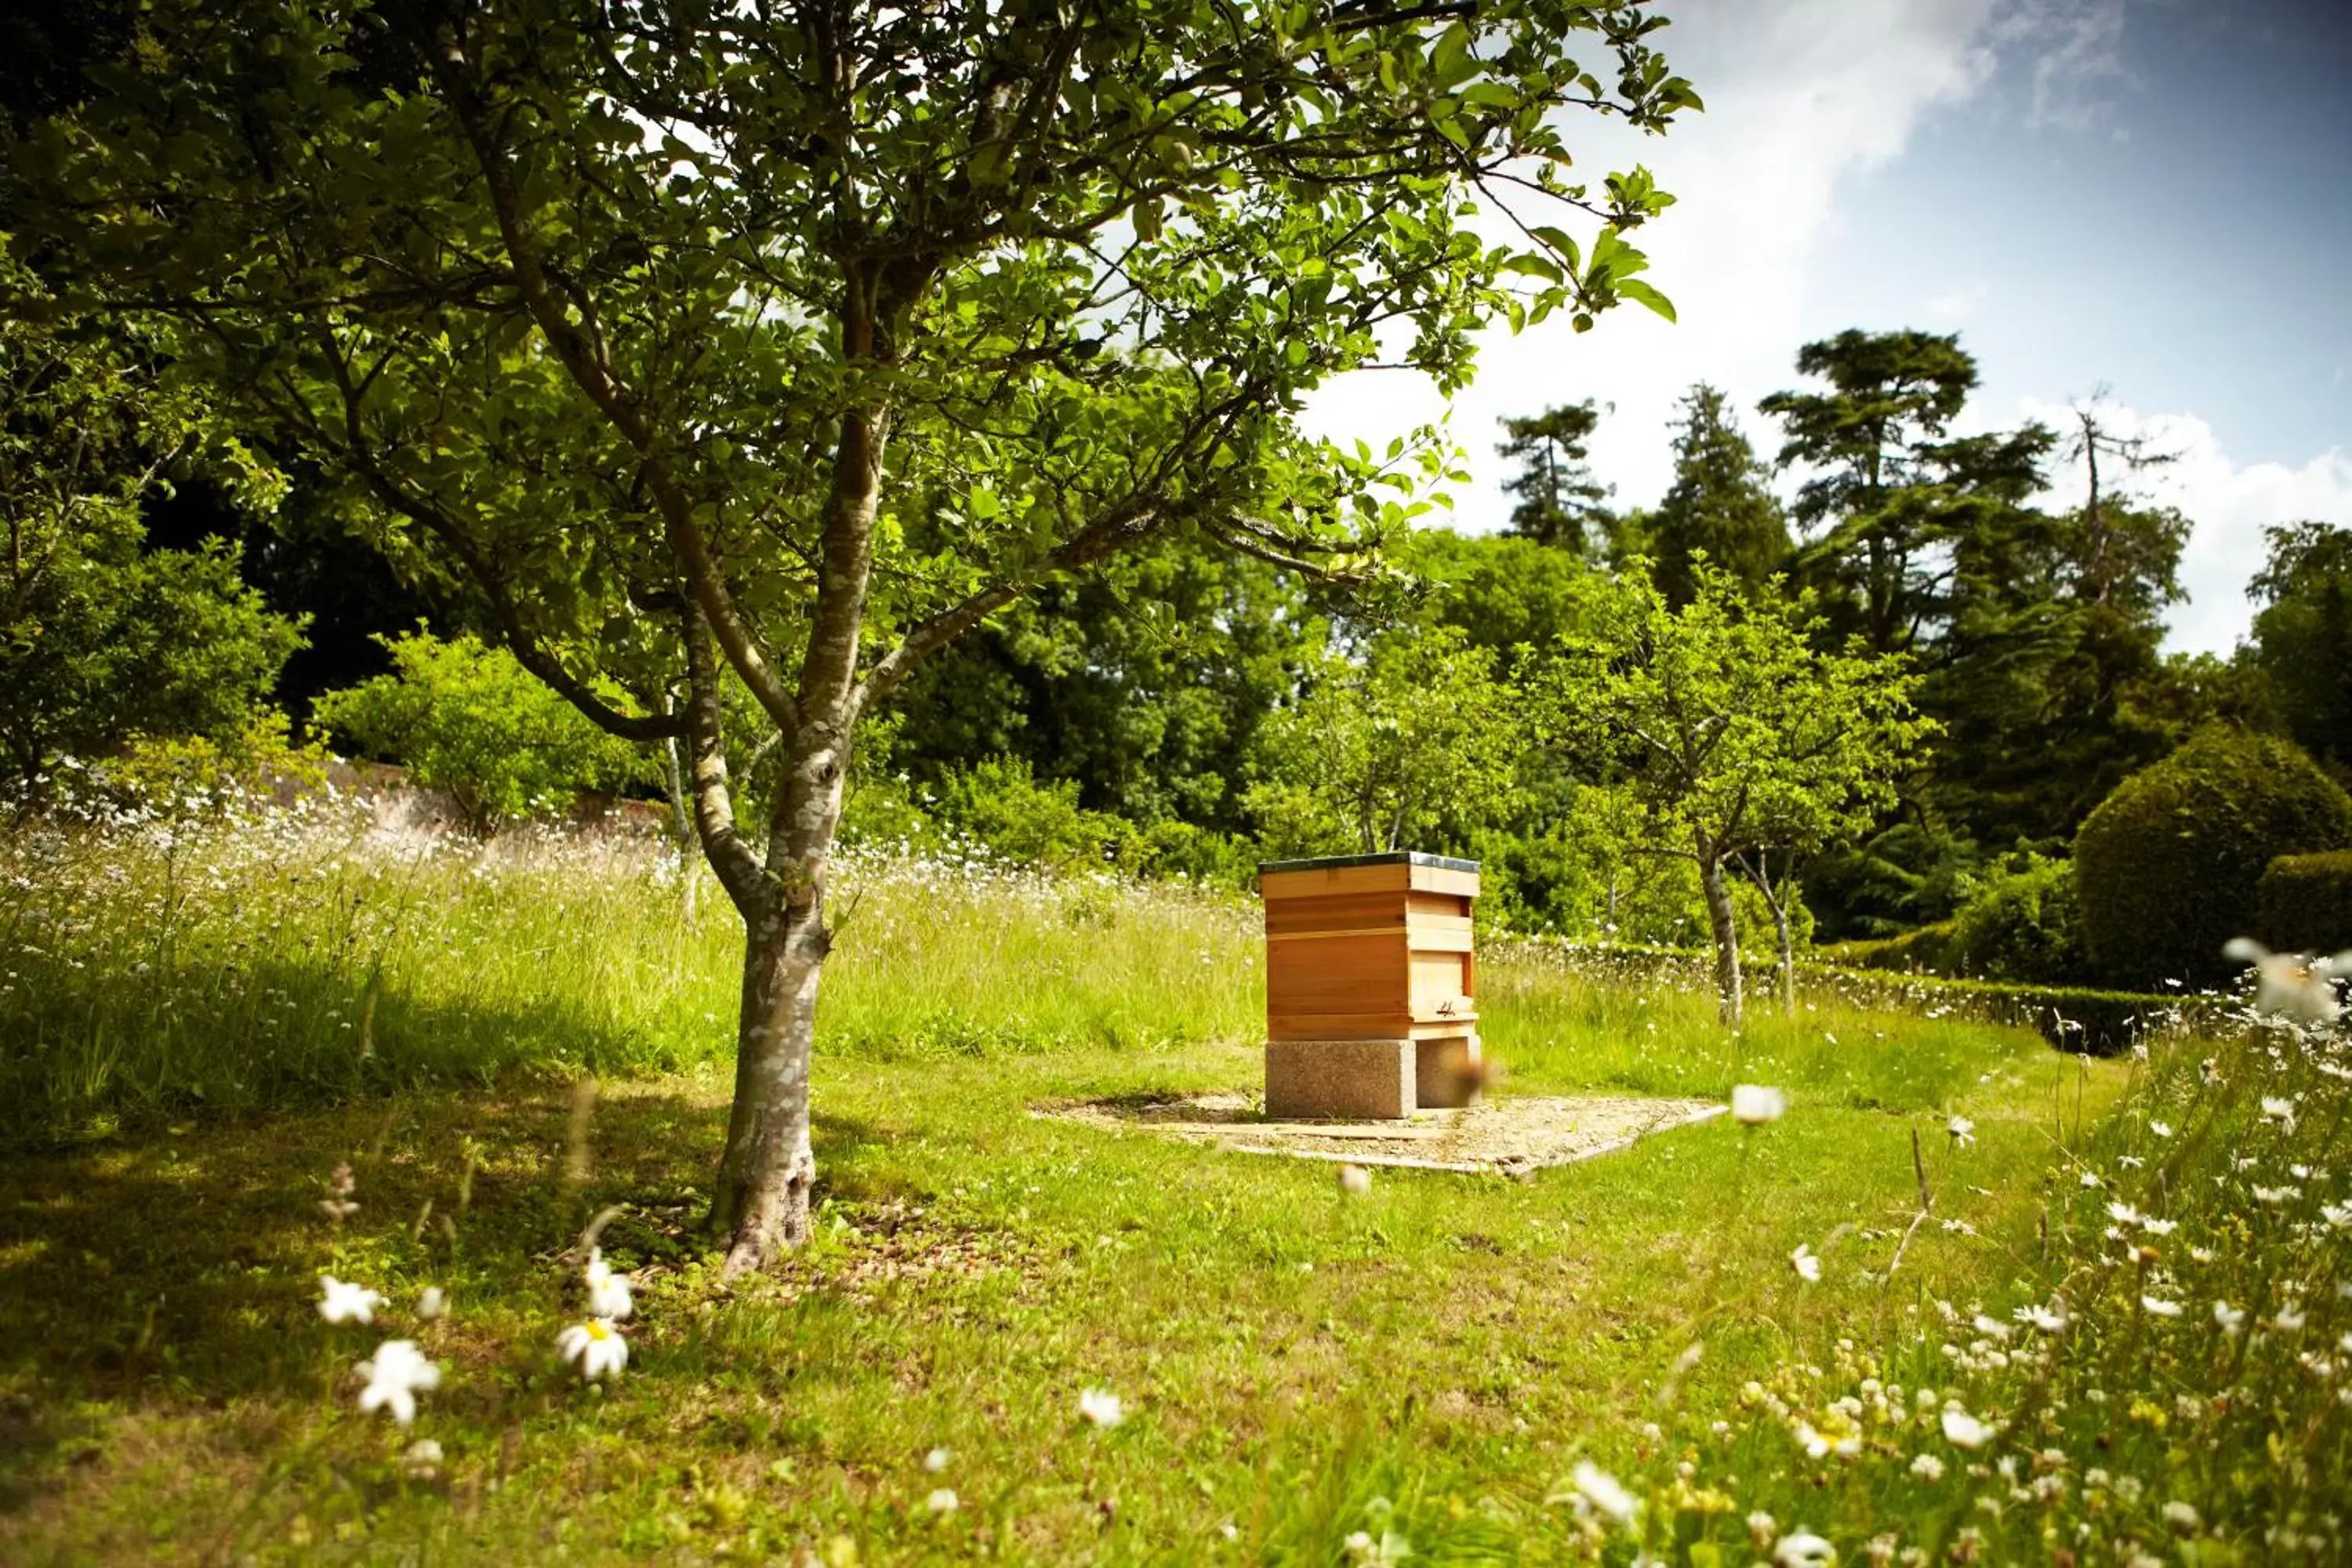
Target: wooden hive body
1375 949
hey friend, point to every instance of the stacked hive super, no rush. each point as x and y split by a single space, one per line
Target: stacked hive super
1370 981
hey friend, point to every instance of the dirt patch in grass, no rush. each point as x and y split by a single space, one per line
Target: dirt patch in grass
1522 1132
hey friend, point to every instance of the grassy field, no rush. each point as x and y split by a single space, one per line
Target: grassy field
200 1031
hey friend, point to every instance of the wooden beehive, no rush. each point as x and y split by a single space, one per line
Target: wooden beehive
1370 950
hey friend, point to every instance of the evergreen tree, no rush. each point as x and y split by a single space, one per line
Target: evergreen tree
1889 491
1719 505
2303 636
1559 501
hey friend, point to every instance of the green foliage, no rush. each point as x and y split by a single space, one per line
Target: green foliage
1732 733
2024 923
1559 501
2304 902
178 776
1143 684
1501 592
1002 806
1412 746
2168 865
1730 728
101 639
469 720
1719 506
2303 636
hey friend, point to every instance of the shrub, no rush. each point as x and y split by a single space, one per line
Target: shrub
2168 865
2024 923
468 718
2304 902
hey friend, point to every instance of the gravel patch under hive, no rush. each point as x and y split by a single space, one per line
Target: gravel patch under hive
1499 1137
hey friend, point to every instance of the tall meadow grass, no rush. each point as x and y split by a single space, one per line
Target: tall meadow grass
306 955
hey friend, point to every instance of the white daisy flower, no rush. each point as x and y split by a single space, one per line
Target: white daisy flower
1101 1407
1808 1267
1803 1549
1601 1489
1963 1430
393 1375
343 1303
608 1293
596 1345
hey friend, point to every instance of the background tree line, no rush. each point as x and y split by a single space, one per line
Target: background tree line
1187 707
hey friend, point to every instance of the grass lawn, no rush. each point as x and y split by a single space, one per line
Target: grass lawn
1306 1376
1286 1355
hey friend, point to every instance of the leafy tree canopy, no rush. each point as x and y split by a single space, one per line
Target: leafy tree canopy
667 331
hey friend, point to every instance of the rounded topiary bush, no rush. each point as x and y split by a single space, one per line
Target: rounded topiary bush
2168 865
2304 902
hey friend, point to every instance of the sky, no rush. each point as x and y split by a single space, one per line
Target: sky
2152 197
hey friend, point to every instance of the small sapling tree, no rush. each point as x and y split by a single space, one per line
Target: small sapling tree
1731 731
778 346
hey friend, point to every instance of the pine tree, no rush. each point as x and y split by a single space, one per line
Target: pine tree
1719 505
1559 501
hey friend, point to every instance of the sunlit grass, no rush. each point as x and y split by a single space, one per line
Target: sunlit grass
1429 1361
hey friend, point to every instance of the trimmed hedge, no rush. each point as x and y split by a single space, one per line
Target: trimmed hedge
2304 902
2168 865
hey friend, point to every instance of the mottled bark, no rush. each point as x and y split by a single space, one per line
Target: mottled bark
1725 930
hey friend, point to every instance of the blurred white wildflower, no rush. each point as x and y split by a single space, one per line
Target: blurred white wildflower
2293 987
2277 1107
2289 1318
596 1345
2090 1179
2050 1319
1762 1527
2181 1515
2162 1129
2231 1319
1808 1267
1101 1407
343 1303
1928 1468
942 1500
1354 1180
2156 1306
338 1209
422 1461
2276 1195
608 1293
1753 1105
393 1375
1963 1430
1801 1549
432 1303
1963 1131
936 1460
1601 1489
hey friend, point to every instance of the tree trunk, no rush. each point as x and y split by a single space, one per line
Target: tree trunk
762 1197
1788 953
1727 933
762 1200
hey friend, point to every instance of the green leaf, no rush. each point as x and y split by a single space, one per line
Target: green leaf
1642 294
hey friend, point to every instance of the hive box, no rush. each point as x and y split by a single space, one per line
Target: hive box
1371 982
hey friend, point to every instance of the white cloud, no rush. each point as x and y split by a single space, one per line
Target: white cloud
2229 505
2076 47
1800 94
